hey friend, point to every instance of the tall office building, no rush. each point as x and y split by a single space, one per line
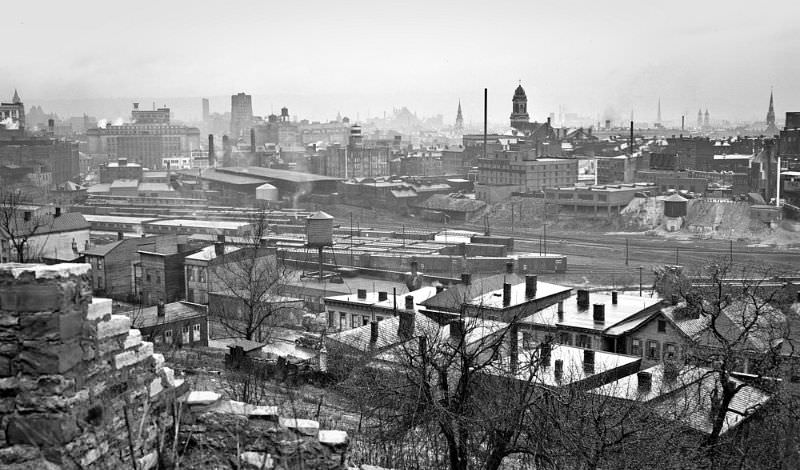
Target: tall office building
241 115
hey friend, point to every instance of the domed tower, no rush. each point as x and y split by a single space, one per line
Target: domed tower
519 114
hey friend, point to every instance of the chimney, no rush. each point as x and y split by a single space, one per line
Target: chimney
51 125
409 302
674 299
252 140
211 150
588 356
558 370
122 162
120 235
439 288
414 267
382 296
513 349
405 329
583 299
509 267
466 278
219 249
506 294
26 216
599 313
362 294
530 286
58 212
221 238
614 298
645 381
544 353
373 332
160 310
457 331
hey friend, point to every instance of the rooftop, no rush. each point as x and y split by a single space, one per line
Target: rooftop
148 316
228 178
574 316
687 396
157 187
124 184
372 298
275 174
208 253
213 224
494 299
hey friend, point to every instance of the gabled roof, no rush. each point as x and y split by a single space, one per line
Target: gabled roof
388 334
453 297
44 224
102 250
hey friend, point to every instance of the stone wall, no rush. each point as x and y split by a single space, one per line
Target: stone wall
79 388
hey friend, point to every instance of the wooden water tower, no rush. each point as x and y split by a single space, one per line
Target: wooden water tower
319 235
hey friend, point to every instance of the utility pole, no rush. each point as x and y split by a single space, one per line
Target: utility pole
640 280
676 256
626 252
731 250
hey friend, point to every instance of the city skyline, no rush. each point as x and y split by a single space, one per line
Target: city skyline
594 60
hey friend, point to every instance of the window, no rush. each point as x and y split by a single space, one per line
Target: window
190 273
378 318
185 334
565 338
584 341
636 347
196 332
148 277
168 336
652 350
331 319
202 274
342 320
100 264
670 351
354 321
662 326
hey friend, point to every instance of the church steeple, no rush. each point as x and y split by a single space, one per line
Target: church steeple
772 129
16 99
459 118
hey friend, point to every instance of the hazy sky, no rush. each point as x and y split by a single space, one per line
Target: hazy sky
359 57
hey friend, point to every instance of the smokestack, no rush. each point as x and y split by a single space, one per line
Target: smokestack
506 294
382 296
683 122
583 299
211 154
631 145
485 118
644 380
530 286
252 141
466 278
614 298
362 294
373 332
599 313
161 310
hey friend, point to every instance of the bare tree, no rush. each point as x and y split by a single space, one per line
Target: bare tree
250 284
19 225
740 323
